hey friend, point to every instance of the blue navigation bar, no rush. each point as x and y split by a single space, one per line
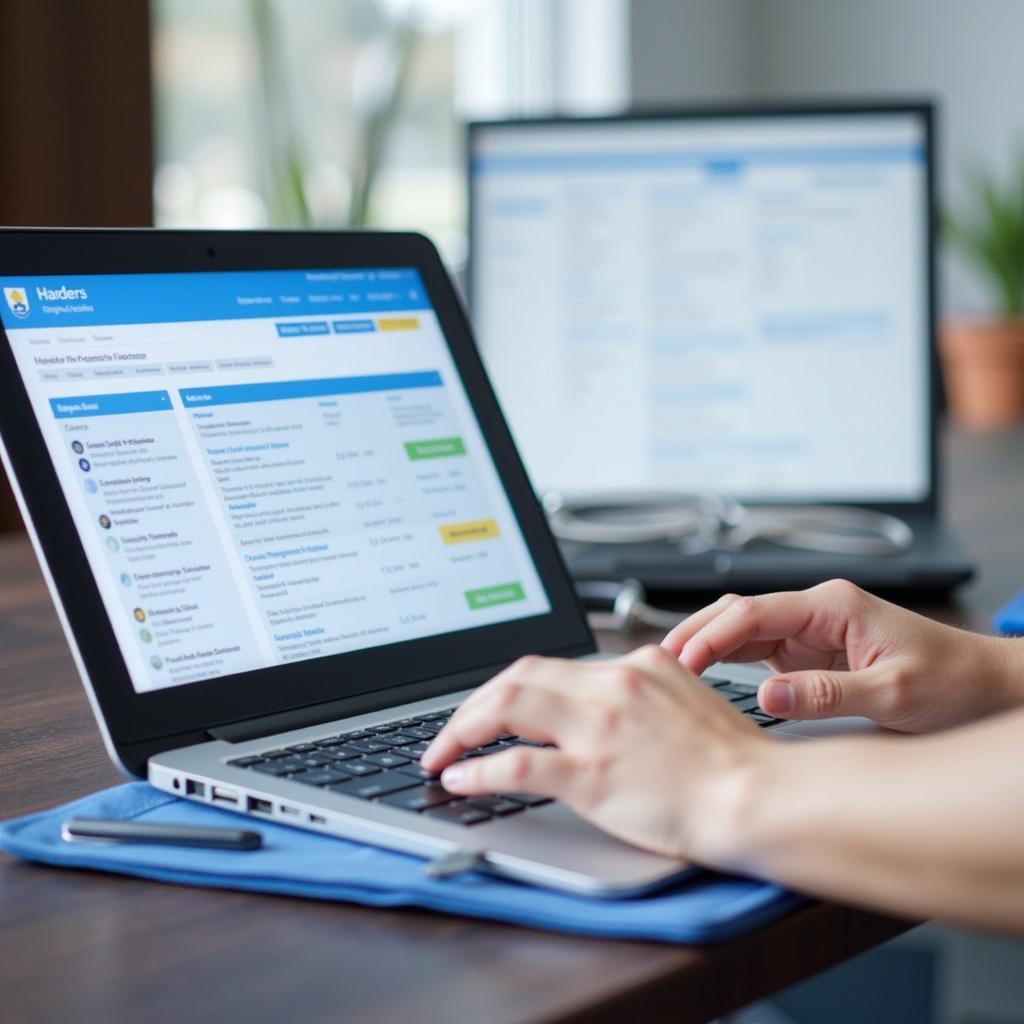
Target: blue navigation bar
275 391
110 405
93 300
715 163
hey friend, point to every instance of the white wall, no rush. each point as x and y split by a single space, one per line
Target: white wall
688 50
969 54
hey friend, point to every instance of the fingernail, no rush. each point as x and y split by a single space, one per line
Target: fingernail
779 695
453 775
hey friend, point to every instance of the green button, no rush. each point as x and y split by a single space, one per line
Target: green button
439 448
502 593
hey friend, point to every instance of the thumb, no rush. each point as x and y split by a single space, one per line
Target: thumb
821 694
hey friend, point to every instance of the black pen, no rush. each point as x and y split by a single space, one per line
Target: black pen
102 830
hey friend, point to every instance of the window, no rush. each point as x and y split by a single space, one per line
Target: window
266 111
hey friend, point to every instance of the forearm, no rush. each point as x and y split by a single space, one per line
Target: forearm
929 826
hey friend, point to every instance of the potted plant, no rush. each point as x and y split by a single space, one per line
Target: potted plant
983 357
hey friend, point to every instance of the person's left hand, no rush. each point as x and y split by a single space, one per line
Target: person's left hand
643 749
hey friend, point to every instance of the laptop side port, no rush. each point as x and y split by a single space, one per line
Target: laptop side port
317 819
221 795
258 806
195 788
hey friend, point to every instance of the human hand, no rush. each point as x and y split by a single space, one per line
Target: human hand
642 749
837 650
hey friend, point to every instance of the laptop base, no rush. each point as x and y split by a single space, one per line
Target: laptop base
934 566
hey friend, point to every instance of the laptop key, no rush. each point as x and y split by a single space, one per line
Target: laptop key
459 813
342 753
368 746
386 760
379 785
416 751
527 799
302 748
276 768
399 739
747 704
359 768
246 762
496 805
418 772
316 760
417 733
420 798
320 776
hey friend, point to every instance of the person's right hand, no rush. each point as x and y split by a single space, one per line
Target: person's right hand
836 650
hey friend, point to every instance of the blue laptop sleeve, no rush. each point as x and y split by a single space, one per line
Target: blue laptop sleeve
703 908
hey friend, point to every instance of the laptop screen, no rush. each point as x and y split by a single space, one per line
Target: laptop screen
267 466
721 304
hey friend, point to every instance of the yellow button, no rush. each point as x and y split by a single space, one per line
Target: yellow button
399 323
477 529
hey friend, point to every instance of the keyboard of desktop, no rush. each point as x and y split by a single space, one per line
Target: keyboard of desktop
382 763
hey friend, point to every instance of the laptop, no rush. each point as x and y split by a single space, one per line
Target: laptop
287 532
752 292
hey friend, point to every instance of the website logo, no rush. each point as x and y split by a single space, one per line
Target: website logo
17 301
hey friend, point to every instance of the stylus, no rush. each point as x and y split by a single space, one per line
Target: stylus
101 830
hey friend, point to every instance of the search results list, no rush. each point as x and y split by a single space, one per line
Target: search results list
152 529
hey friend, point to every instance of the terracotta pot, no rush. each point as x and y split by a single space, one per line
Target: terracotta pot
983 367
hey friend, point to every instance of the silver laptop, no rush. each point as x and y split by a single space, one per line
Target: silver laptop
287 532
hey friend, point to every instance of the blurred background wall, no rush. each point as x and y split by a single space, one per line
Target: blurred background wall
77 146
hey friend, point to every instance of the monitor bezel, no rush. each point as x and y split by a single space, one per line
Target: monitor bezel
157 720
923 108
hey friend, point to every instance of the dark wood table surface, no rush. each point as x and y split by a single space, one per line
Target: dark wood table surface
82 946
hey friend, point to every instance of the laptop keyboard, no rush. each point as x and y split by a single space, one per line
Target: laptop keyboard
382 764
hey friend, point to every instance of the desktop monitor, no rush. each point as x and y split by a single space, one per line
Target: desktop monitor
730 302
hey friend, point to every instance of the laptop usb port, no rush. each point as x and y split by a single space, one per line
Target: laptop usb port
220 795
258 806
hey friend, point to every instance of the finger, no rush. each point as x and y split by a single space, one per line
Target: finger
744 621
518 770
821 694
757 650
680 635
531 711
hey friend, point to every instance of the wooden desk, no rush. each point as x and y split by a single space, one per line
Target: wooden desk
80 946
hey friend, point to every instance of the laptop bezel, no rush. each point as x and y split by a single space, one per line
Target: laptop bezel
427 667
920 107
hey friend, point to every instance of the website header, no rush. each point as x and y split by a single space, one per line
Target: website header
112 299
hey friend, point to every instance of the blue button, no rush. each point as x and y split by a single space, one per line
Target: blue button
303 329
352 326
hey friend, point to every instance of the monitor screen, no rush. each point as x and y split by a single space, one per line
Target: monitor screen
267 466
734 305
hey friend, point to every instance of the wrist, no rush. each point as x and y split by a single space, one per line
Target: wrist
1000 665
724 822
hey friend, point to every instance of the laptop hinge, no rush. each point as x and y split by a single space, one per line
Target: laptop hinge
347 707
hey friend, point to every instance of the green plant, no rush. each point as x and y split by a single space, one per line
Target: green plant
284 154
989 235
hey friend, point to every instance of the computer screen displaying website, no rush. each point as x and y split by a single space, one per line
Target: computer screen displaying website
729 305
267 466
